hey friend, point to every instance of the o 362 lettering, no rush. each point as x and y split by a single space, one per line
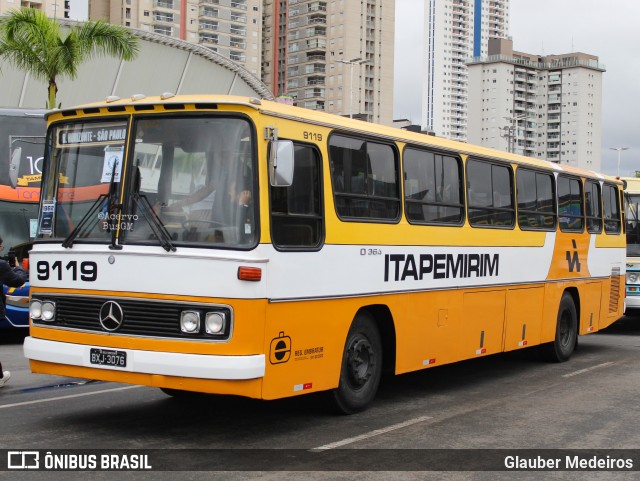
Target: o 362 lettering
85 271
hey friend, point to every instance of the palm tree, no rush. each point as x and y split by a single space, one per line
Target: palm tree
33 42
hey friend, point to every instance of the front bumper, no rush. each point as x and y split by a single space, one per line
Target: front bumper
198 366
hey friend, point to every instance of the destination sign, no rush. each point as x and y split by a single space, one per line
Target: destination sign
98 134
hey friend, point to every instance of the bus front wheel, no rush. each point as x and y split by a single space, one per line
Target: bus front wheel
361 366
562 347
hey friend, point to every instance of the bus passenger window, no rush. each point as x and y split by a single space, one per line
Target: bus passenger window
536 200
365 179
490 193
611 210
432 189
570 204
296 210
594 211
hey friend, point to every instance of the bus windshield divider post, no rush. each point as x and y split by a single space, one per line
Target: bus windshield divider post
115 207
114 231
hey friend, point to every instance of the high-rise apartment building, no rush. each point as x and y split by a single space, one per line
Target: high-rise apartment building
232 28
335 56
549 107
456 30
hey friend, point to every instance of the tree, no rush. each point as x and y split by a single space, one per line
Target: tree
39 45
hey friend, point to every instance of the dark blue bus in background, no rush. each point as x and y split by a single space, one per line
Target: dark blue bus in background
22 138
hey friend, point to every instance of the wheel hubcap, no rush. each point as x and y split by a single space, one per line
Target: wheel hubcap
565 331
360 362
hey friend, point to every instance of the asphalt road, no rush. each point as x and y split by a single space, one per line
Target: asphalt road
504 402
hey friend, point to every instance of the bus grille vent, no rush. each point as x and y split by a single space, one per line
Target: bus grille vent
149 318
614 293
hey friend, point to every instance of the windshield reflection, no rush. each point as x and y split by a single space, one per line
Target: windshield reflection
633 226
185 180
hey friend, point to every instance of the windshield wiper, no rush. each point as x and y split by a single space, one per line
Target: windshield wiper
158 228
68 242
112 209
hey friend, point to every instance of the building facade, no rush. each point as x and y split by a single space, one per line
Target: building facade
456 30
548 107
231 28
62 9
335 56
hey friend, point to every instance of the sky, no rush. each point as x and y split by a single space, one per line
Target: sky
605 28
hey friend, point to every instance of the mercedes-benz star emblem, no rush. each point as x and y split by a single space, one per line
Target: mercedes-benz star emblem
111 316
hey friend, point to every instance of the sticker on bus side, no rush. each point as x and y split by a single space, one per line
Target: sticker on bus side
46 216
112 164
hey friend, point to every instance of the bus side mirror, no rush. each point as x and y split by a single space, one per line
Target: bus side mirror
14 166
281 163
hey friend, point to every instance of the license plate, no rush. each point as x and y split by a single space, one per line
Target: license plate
107 357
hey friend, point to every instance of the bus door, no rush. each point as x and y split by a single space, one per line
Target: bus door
297 234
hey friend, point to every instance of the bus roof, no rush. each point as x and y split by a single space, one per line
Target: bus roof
22 112
632 184
325 119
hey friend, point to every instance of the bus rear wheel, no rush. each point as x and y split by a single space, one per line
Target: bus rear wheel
562 347
361 366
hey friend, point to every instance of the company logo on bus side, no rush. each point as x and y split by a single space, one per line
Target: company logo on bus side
402 267
280 349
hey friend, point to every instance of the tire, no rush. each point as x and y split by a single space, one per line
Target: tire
361 367
564 344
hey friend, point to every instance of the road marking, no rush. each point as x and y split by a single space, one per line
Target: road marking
582 371
371 434
38 401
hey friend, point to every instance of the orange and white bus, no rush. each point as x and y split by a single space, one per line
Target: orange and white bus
632 287
240 246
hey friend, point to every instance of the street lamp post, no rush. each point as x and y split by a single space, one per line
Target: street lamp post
511 131
352 62
619 150
507 133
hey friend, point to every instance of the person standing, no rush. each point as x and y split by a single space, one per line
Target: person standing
12 276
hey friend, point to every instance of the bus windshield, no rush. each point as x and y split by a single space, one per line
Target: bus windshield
633 225
21 152
17 222
184 180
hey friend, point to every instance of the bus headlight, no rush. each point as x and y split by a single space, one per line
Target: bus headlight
48 311
35 309
190 322
214 322
632 277
42 310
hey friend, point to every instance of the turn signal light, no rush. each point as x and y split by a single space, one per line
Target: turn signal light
249 274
